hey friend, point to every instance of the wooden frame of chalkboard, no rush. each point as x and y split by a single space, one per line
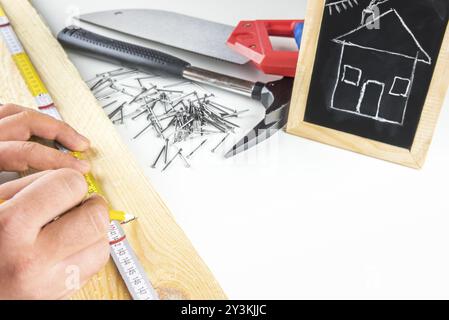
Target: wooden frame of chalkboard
303 119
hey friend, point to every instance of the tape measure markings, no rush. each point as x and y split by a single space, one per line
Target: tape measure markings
112 242
122 253
124 256
12 42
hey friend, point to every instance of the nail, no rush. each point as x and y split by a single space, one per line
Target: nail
158 157
110 104
196 149
170 162
221 142
143 131
84 142
166 151
187 164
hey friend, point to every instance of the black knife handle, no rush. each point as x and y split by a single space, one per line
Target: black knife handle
120 52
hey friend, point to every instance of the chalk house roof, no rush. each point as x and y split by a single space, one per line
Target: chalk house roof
393 36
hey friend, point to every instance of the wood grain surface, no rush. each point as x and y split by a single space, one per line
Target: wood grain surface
171 262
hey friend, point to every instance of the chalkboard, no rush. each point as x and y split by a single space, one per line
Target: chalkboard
372 67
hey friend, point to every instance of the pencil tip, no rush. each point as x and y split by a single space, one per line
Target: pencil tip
129 218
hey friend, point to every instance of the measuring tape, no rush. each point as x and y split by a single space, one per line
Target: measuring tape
122 253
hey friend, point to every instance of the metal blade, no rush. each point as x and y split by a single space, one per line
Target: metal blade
172 29
259 134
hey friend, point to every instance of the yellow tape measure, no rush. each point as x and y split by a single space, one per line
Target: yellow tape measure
122 253
29 74
40 93
93 187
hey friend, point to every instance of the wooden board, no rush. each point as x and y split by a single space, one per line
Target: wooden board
413 156
175 269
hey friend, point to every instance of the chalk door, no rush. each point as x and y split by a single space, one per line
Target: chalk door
370 98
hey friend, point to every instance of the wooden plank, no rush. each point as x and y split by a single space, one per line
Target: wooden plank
168 257
413 158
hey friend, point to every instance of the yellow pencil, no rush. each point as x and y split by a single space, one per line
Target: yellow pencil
121 216
114 215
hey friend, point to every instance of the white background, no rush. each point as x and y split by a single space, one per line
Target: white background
294 218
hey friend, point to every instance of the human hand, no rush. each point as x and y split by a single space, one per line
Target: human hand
19 124
39 255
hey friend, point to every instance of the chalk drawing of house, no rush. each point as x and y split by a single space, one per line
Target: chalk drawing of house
377 69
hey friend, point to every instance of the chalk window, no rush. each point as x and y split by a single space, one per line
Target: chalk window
400 87
352 75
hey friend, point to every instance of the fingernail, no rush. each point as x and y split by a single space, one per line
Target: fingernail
83 166
84 142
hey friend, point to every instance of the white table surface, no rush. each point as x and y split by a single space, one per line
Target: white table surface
294 218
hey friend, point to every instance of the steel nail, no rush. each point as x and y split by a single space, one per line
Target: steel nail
110 104
221 142
187 164
158 157
173 159
143 131
166 151
196 149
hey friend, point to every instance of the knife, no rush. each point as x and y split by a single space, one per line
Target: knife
176 30
248 41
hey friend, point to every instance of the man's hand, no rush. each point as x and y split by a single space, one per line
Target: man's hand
40 257
18 125
45 259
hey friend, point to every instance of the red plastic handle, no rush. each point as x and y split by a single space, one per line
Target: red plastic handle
252 39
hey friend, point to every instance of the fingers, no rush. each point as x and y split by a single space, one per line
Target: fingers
21 125
76 230
41 202
21 156
40 280
8 190
91 259
77 269
18 124
9 109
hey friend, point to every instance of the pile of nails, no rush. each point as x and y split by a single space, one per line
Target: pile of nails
172 113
